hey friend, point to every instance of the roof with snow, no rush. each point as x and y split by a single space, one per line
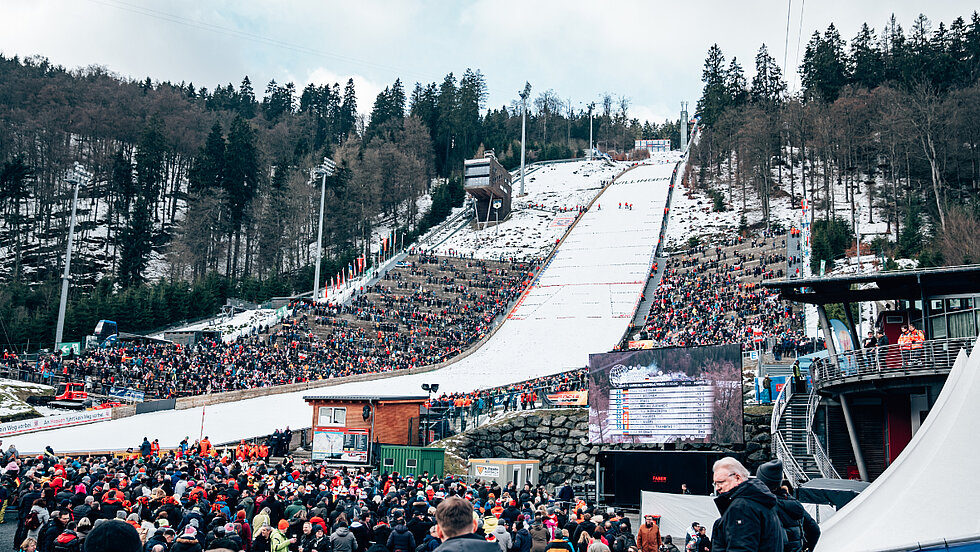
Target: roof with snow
361 398
884 286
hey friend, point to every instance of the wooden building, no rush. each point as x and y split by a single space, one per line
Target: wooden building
346 428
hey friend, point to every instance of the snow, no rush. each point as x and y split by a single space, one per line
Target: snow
581 303
232 327
10 392
694 214
533 231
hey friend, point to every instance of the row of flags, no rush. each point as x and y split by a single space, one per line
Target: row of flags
386 249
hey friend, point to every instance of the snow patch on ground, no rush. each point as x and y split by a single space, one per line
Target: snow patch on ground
553 194
693 213
11 393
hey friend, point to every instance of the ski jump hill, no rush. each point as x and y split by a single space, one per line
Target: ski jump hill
581 303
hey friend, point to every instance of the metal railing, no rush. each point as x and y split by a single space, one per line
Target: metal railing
791 467
779 406
794 472
813 446
924 357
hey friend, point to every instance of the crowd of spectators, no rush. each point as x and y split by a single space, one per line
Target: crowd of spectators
204 500
524 395
711 295
427 310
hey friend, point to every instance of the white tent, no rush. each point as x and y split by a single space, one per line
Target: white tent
924 497
678 511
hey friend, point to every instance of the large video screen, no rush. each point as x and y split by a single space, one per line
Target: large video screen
674 395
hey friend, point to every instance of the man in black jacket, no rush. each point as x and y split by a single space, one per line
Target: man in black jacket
401 539
801 530
456 526
54 527
748 516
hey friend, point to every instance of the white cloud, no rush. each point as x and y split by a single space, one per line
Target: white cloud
365 89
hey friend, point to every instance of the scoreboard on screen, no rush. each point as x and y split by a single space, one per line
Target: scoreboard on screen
673 395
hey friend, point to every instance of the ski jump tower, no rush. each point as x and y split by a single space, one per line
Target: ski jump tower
489 183
684 118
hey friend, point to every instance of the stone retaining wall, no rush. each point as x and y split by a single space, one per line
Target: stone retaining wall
559 438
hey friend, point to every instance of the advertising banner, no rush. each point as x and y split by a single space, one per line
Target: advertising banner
341 444
569 398
488 471
776 384
54 422
671 395
126 394
641 344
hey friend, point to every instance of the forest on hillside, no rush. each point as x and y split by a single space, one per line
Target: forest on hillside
201 194
891 117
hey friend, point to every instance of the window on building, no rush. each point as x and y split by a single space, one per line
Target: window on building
388 462
411 463
332 416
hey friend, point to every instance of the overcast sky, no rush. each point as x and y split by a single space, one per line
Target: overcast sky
651 52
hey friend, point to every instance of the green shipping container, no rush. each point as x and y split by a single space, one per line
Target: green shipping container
411 460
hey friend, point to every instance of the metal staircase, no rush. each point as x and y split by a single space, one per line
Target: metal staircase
793 441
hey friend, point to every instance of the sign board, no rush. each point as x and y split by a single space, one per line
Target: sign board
569 398
671 395
641 344
54 422
70 347
341 444
776 384
488 471
126 394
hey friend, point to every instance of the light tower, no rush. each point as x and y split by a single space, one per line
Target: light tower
524 95
591 151
684 118
324 170
78 177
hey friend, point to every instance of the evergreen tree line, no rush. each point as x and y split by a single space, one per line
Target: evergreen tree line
191 185
893 116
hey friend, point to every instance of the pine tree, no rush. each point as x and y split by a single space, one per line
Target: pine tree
866 60
241 178
445 123
735 84
14 175
347 117
824 68
150 158
246 99
136 245
714 98
207 173
768 85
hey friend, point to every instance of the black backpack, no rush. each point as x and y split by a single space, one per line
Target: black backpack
67 542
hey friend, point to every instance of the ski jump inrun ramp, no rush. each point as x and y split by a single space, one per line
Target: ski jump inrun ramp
580 303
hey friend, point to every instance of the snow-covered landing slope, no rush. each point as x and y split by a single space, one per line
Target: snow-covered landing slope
580 304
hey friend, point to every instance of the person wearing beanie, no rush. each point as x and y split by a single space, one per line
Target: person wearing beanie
279 541
113 536
187 541
802 531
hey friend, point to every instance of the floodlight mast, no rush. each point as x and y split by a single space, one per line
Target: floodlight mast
524 96
324 170
591 108
76 175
